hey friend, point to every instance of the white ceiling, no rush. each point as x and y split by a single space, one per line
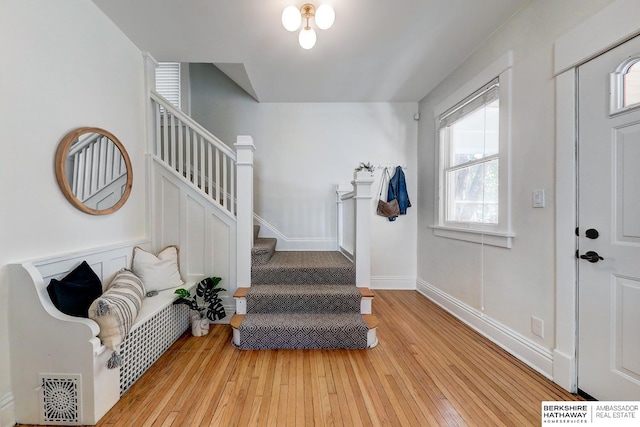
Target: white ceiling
377 50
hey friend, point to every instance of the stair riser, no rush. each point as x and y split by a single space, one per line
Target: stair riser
366 305
262 251
302 276
260 258
372 339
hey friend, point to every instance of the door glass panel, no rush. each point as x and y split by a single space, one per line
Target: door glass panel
632 85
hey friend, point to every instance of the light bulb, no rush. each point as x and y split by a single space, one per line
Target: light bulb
325 15
291 18
307 38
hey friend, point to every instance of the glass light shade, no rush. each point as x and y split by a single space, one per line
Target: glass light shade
307 38
325 16
291 18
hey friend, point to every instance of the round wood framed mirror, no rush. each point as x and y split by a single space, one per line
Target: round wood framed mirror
93 170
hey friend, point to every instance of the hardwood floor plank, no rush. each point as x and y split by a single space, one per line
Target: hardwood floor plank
299 389
428 369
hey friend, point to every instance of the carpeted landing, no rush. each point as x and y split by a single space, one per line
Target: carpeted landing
300 300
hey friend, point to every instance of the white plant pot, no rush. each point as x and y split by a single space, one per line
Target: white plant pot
199 324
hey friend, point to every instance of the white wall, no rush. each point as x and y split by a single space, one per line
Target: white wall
506 286
64 65
303 150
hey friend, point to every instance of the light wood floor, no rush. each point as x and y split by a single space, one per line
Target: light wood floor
427 370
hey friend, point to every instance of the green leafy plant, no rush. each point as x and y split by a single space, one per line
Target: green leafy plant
206 300
365 167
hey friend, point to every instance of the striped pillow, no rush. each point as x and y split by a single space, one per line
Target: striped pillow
116 310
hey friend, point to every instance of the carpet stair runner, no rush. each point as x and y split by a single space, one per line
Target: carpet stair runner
302 300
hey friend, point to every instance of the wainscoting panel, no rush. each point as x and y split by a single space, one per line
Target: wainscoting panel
166 224
196 235
204 233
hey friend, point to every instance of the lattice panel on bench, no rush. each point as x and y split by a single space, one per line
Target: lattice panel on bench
145 344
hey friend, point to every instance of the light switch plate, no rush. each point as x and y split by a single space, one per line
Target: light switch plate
538 198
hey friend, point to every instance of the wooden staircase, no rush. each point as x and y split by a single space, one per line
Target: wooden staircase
302 300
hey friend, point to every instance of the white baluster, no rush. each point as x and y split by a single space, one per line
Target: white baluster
232 176
156 108
171 156
180 148
225 190
217 175
202 163
165 136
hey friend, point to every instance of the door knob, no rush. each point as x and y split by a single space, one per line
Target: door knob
592 233
591 256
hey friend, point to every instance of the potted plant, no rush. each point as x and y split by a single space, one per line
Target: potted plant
206 304
362 169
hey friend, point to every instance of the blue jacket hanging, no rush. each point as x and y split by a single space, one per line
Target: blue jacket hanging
398 187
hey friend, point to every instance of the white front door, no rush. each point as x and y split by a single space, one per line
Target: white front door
609 227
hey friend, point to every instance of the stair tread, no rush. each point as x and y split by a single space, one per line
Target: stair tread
371 320
236 320
241 292
366 292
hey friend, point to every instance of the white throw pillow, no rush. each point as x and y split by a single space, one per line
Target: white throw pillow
157 272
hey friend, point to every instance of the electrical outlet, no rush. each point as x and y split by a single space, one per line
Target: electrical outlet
537 326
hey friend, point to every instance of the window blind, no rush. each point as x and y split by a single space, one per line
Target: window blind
168 82
485 95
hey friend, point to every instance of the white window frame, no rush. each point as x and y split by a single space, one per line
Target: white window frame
499 234
617 87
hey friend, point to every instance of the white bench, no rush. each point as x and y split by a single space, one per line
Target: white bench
58 364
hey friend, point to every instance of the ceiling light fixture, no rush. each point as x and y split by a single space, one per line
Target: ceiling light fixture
292 18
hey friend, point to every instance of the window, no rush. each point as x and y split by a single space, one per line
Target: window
168 82
474 185
625 86
469 136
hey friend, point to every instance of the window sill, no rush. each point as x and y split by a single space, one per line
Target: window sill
503 240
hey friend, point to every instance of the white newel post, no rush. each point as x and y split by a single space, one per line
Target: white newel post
244 216
362 195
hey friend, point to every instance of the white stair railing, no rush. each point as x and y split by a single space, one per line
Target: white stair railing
193 152
206 165
95 163
354 225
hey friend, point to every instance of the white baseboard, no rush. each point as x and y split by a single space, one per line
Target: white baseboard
7 416
537 357
393 283
294 244
564 371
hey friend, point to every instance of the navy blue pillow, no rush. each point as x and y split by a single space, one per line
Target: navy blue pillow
74 293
